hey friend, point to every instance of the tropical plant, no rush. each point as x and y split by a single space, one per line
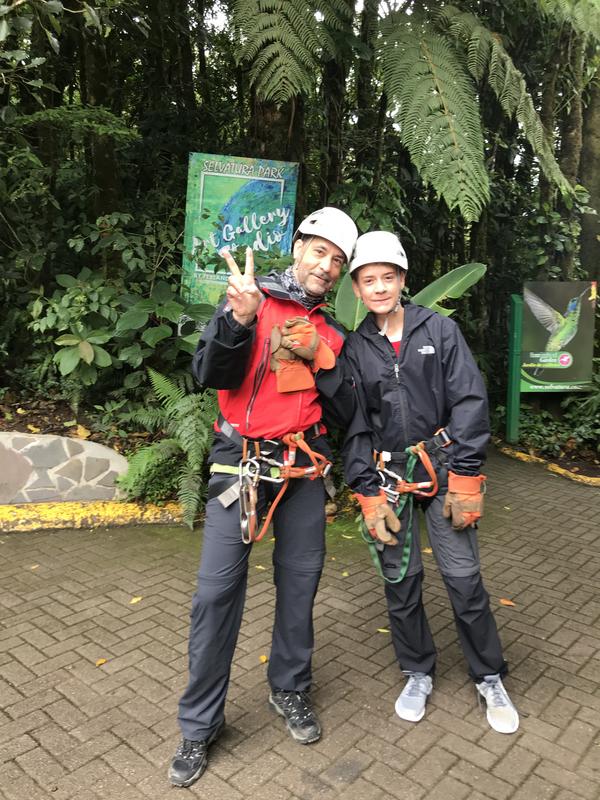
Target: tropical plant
186 422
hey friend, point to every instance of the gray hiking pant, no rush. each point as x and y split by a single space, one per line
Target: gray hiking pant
457 557
217 606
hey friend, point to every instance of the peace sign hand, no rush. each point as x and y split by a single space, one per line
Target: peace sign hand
242 292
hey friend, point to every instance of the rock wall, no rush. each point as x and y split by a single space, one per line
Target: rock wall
44 468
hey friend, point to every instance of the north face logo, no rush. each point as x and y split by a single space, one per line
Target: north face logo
426 350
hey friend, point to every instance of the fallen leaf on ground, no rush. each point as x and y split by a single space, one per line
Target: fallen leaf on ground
135 600
263 659
33 428
259 566
345 574
82 433
100 662
507 508
21 411
427 550
34 566
505 602
383 630
333 558
345 536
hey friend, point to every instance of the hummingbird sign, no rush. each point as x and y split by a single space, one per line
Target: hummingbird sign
558 336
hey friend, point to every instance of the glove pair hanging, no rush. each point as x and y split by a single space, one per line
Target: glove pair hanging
297 352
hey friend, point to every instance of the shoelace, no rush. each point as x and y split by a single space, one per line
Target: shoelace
297 706
417 685
497 696
190 748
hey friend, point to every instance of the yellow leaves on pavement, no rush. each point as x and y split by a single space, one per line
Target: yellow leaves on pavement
383 630
345 573
34 566
427 550
263 659
135 600
82 433
101 661
505 602
259 566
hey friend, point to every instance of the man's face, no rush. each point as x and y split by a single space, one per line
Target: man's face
318 263
379 286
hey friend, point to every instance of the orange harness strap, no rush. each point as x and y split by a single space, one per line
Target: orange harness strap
320 466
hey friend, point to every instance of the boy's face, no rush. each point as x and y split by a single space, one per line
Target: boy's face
379 286
318 263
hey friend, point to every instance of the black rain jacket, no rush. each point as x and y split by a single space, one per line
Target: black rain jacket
434 383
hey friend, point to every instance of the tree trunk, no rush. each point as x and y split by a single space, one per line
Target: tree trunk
590 177
334 95
367 114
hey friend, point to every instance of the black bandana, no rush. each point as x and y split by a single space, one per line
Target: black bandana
296 291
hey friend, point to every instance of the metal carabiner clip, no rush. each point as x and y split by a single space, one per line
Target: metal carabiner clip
391 494
248 478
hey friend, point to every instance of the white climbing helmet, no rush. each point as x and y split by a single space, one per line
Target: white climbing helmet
331 224
378 247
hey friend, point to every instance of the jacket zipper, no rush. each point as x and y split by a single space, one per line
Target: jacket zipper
258 377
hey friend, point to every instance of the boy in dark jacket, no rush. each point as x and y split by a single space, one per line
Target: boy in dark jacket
418 382
271 351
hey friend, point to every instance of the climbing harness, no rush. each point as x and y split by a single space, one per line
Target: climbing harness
401 491
258 464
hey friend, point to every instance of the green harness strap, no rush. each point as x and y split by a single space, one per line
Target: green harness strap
407 498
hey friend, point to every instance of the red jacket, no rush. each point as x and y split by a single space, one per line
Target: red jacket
236 360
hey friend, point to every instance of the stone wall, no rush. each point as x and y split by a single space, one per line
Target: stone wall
43 468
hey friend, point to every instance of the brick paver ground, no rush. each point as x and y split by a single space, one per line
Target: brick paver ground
71 729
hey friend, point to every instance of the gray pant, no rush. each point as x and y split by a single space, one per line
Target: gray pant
457 557
217 606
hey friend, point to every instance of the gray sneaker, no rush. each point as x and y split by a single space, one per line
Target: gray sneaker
501 713
411 703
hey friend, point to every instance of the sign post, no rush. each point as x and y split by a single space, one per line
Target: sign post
513 400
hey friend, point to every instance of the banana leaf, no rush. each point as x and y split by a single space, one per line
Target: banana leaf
350 311
453 284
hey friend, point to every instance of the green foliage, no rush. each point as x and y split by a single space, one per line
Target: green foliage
283 40
437 109
582 15
186 420
487 59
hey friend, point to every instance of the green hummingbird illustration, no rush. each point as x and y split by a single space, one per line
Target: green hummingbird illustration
562 327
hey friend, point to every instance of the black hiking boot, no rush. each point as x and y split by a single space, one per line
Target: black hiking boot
190 759
301 720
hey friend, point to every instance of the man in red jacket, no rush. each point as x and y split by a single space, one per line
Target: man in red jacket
271 351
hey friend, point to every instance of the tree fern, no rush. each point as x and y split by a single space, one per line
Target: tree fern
488 60
582 15
438 113
284 41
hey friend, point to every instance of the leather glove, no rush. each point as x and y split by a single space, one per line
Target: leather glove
302 338
379 517
292 373
464 500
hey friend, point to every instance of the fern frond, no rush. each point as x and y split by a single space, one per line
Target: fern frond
143 463
153 419
284 41
192 426
189 493
487 59
438 114
166 390
582 15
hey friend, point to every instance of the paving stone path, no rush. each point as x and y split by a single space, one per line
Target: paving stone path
71 729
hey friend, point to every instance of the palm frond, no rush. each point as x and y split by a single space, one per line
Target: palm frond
488 60
438 113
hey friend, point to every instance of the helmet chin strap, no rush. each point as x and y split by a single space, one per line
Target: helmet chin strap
383 331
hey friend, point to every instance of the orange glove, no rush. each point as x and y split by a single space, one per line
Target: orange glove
464 500
302 338
378 517
293 374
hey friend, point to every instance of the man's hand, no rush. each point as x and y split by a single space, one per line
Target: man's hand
242 292
379 517
302 338
464 500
